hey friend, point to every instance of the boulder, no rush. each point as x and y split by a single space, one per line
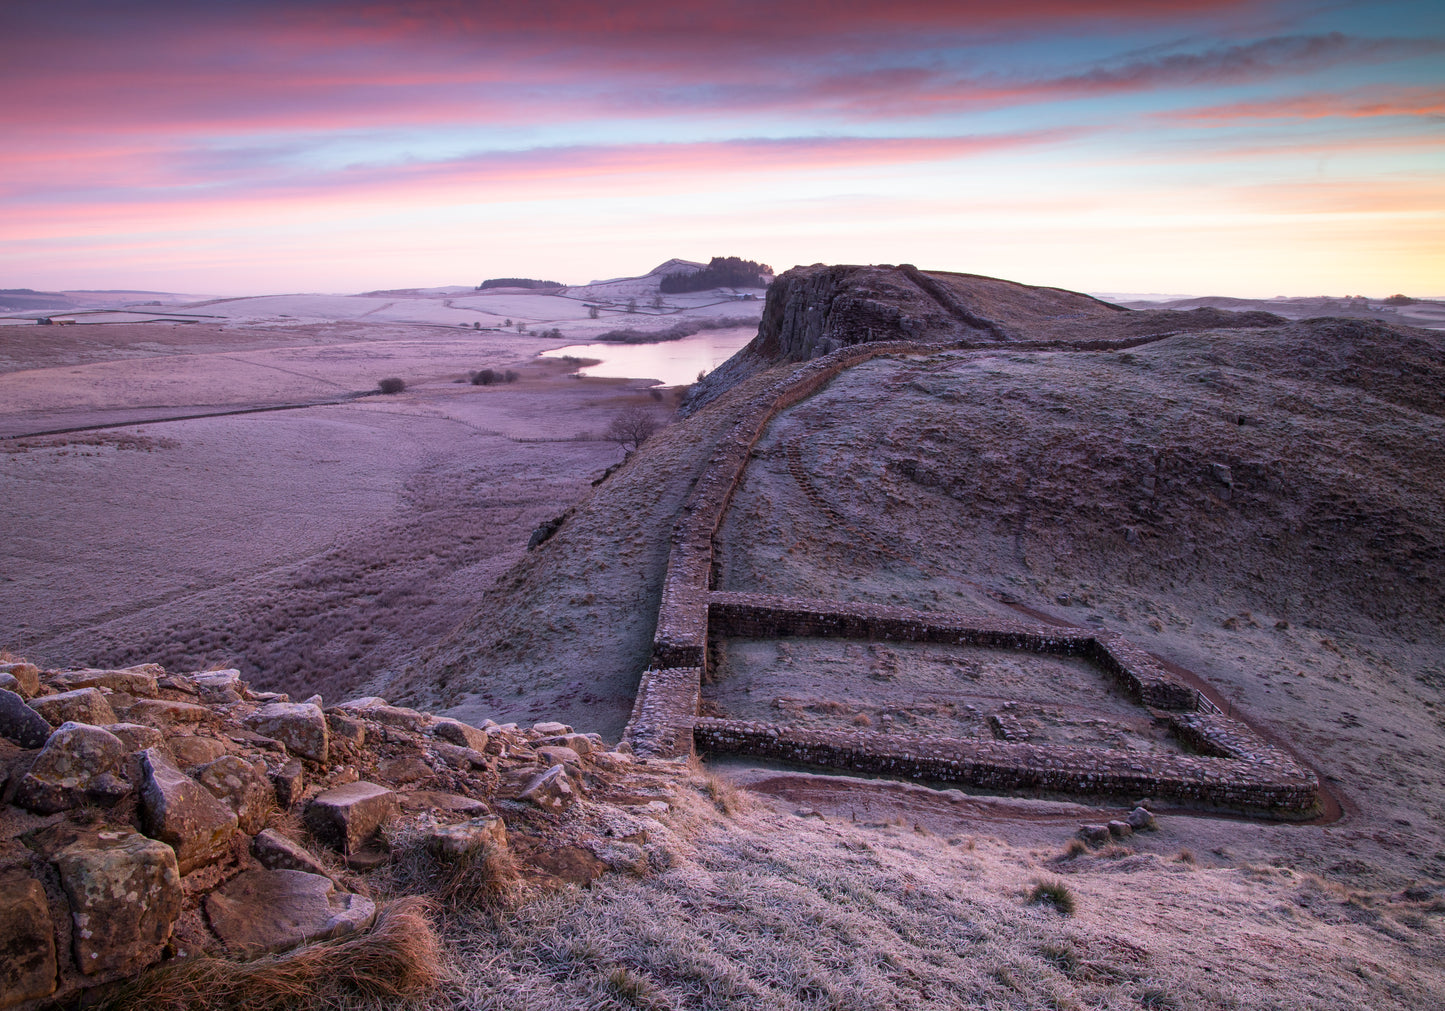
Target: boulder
27 675
139 681
125 894
20 723
468 841
165 713
551 790
1095 835
73 756
264 911
177 810
243 786
461 734
406 769
275 852
551 729
300 726
28 967
349 816
1141 819
9 684
83 705
1120 829
289 782
136 736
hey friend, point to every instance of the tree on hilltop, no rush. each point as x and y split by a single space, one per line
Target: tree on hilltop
721 272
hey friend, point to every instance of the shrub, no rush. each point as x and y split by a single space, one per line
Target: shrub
510 376
391 385
632 428
486 377
1052 892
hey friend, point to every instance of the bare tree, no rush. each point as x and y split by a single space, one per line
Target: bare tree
631 428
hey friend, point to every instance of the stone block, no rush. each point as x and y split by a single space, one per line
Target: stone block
551 729
194 749
73 756
274 910
345 728
136 736
21 724
557 755
289 782
349 816
413 801
165 714
470 840
27 675
300 726
125 895
137 681
177 810
275 852
462 758
28 967
243 786
218 687
83 705
461 734
551 790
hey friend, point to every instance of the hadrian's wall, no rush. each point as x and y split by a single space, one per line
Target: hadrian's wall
1236 768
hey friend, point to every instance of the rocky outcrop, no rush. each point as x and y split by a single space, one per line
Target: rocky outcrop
227 789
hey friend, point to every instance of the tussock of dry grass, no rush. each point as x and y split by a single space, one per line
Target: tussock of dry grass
399 958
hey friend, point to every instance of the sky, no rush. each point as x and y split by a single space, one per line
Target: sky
1189 147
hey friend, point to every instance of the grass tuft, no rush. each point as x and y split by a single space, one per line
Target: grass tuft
399 958
1053 892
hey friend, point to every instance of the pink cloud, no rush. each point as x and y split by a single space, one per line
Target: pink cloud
1376 103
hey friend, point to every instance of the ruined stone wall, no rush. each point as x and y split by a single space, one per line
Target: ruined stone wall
1279 786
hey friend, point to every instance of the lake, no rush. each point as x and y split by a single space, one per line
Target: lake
670 363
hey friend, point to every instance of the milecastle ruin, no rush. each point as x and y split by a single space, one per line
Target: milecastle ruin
832 318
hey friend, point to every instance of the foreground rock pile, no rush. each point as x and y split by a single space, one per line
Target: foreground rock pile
150 816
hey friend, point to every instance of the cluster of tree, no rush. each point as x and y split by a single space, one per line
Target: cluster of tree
517 282
486 377
1400 300
721 272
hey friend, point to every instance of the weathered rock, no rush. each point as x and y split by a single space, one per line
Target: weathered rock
137 736
106 790
138 681
469 840
165 713
349 816
275 852
557 755
345 728
179 811
439 800
551 790
20 723
273 910
461 734
462 758
8 683
551 729
1120 829
196 750
579 743
298 725
1141 819
219 687
28 967
244 787
83 705
125 894
26 674
73 756
1095 835
406 769
377 711
289 781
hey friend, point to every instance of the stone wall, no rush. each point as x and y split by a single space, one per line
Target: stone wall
1278 786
